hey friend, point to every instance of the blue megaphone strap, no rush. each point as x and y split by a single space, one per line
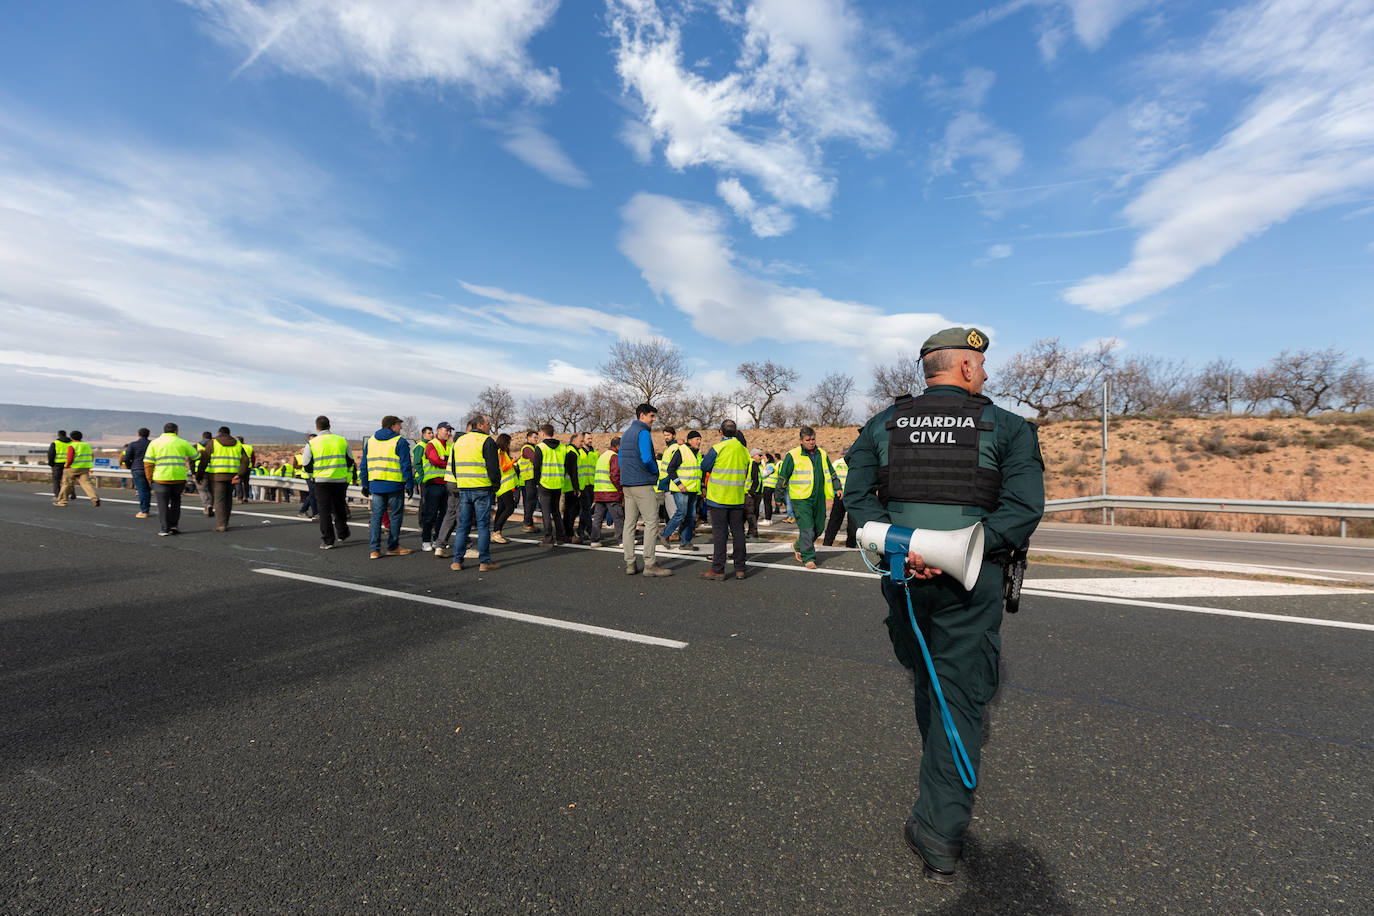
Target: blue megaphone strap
897 572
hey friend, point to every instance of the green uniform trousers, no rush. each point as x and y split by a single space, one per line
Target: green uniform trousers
810 516
962 630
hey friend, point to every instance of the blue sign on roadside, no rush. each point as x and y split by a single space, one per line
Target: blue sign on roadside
104 462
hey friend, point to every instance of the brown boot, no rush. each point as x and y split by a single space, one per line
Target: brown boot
456 567
399 552
656 571
488 567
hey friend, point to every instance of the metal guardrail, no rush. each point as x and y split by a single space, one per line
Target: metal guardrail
297 484
1341 511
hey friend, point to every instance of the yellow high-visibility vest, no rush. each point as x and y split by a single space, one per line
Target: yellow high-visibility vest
466 469
168 454
800 483
729 475
329 457
224 459
383 464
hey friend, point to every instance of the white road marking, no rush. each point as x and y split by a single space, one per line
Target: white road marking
1297 572
1194 609
1184 587
479 609
705 556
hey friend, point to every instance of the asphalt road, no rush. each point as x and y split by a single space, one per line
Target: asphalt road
179 731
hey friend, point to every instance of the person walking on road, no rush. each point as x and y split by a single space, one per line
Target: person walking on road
57 460
639 482
132 458
529 479
386 477
554 465
329 461
244 488
726 469
79 461
683 471
982 464
608 499
572 489
207 499
506 491
433 464
167 464
753 494
837 511
797 477
476 470
586 482
220 467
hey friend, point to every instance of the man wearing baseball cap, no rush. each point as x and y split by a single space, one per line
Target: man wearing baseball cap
942 461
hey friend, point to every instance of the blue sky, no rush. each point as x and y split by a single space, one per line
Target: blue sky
265 209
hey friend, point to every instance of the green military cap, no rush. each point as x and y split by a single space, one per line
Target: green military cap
955 339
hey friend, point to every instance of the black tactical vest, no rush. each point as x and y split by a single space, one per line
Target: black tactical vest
932 453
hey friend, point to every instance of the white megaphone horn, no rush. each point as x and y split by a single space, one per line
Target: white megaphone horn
958 553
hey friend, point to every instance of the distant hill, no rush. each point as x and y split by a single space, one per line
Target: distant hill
123 424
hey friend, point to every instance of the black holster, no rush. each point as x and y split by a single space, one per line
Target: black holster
1013 574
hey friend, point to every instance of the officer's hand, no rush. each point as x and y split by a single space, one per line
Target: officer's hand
916 567
366 493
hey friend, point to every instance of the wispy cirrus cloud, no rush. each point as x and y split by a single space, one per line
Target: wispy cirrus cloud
527 311
684 255
479 45
200 273
804 75
528 142
1305 139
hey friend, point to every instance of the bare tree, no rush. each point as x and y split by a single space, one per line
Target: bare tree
568 410
1256 388
647 370
1216 387
536 411
1306 380
892 381
1355 388
1051 378
830 398
1151 384
607 409
702 410
410 428
763 382
498 404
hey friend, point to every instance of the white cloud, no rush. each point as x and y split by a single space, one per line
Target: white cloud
528 143
994 253
804 76
684 256
1138 137
1304 140
991 153
971 92
559 374
478 45
526 311
1095 20
165 275
766 221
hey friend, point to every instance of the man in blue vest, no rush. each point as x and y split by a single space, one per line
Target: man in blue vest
943 461
639 483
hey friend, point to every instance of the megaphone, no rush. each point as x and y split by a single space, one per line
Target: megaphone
958 553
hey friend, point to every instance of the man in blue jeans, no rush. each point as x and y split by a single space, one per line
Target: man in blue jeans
133 460
386 478
475 468
684 482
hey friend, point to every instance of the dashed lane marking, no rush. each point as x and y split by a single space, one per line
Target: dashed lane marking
1296 572
479 609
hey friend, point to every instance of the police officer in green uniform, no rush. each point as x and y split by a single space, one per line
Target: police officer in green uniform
942 461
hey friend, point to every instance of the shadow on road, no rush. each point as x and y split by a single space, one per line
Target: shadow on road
1005 878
